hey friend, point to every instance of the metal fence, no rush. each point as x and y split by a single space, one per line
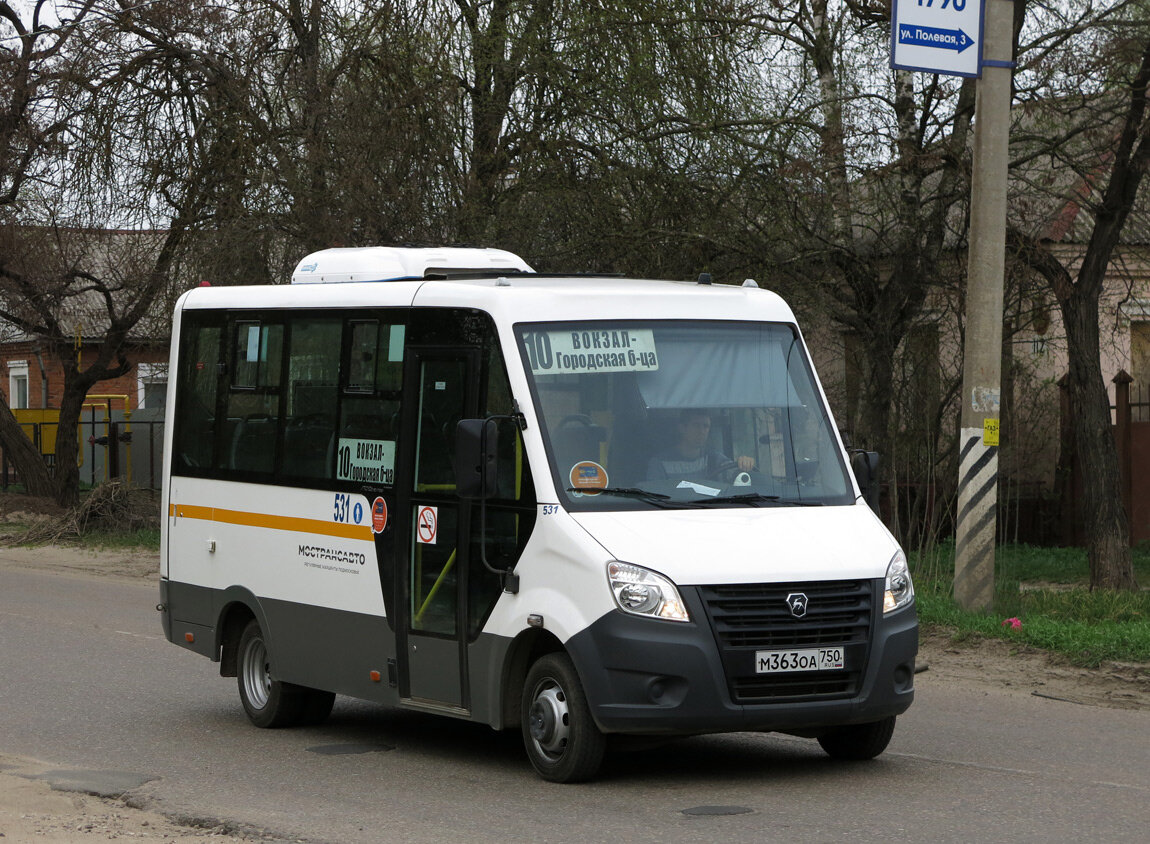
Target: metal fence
110 447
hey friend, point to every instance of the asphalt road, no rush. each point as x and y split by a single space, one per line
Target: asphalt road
88 683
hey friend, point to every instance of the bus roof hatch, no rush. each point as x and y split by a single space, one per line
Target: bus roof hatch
388 263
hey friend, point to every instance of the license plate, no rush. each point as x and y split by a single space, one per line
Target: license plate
807 659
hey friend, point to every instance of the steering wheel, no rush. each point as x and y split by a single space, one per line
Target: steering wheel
576 419
723 468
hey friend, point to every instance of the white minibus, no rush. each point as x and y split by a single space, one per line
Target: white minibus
581 507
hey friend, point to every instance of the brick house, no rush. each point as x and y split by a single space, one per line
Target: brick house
32 377
71 266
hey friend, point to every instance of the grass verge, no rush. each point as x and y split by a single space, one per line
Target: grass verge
1046 589
111 516
143 539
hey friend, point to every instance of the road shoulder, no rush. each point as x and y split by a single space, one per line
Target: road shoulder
52 806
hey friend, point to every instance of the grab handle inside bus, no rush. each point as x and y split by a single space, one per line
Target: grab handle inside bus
476 458
477 477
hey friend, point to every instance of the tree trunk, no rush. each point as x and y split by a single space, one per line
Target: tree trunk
77 384
67 474
875 396
24 455
1104 518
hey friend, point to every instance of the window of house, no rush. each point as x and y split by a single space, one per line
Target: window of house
18 384
151 385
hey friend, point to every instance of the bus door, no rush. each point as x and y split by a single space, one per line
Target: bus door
440 389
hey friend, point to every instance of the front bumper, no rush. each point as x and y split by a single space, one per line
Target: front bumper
647 676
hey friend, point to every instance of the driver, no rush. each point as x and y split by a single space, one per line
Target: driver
690 456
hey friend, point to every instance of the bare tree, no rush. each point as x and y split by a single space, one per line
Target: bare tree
601 135
873 179
1107 149
34 63
125 152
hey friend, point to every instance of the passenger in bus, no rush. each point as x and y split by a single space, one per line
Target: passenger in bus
690 457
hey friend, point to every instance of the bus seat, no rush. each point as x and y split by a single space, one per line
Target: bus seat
578 438
307 446
253 443
630 450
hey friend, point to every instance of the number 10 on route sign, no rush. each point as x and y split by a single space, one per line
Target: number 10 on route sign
937 36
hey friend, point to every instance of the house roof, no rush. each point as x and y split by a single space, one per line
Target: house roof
1062 153
76 272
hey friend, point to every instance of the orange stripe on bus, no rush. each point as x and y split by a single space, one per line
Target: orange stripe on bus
266 520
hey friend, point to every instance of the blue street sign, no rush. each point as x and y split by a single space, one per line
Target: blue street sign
930 36
937 36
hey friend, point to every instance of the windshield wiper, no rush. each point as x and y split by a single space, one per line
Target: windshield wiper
757 498
659 499
740 498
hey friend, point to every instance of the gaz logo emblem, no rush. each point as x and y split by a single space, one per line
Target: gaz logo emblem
797 604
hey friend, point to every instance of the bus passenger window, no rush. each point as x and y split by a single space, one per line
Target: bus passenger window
313 379
196 396
375 357
366 440
253 397
368 430
256 362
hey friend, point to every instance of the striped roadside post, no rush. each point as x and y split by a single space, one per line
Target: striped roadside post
977 517
982 353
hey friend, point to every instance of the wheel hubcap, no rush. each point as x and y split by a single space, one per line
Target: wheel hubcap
549 720
257 674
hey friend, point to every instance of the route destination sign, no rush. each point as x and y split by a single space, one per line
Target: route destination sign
937 36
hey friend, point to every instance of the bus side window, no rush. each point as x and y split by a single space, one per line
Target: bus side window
254 396
196 400
313 382
369 410
375 357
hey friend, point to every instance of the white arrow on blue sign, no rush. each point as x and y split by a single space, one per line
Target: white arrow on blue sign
934 36
930 36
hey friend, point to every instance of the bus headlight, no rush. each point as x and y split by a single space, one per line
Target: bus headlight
641 591
899 590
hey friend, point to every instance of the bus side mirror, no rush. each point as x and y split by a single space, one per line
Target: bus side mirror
865 466
476 456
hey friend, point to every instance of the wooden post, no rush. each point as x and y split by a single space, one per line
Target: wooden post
1065 475
1122 383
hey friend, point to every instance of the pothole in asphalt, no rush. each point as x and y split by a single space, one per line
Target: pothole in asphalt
349 749
111 784
712 811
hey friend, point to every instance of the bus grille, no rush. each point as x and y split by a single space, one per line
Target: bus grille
750 617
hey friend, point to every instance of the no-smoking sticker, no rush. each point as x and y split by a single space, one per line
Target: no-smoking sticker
378 515
426 525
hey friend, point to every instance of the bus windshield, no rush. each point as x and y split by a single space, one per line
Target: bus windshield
672 414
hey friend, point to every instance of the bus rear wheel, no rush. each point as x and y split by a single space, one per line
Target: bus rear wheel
561 738
274 703
858 741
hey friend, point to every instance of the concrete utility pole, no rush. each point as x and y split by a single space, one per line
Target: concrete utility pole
982 367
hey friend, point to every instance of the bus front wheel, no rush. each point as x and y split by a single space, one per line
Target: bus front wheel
561 738
858 741
274 703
